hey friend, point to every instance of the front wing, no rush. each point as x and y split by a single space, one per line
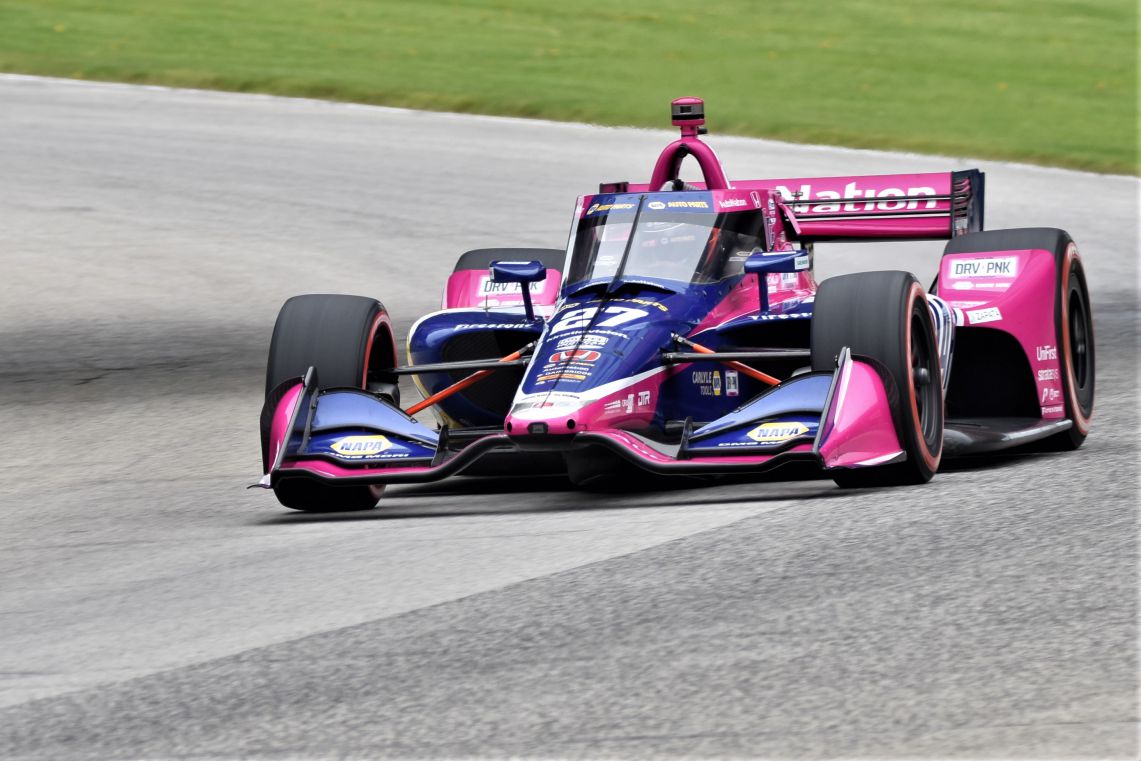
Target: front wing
840 419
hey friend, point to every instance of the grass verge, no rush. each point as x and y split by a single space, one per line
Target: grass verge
1050 82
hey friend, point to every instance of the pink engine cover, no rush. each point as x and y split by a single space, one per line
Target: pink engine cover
1012 291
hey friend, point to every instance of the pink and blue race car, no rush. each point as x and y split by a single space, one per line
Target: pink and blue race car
681 332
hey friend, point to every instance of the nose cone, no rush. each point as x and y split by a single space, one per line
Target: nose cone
546 418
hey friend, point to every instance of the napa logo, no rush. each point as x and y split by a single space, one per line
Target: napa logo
772 433
361 446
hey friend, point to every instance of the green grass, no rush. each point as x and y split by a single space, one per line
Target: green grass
1044 81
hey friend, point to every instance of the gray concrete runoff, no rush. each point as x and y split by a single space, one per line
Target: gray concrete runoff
151 607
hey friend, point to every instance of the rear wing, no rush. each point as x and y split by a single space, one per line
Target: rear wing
932 205
937 205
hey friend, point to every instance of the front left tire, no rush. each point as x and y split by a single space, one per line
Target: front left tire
349 340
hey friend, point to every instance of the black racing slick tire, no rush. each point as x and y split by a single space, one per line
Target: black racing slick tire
1073 318
349 340
481 258
884 317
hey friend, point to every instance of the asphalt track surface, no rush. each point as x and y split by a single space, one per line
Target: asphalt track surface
152 607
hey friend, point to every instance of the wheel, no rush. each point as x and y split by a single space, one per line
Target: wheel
348 339
884 316
1073 319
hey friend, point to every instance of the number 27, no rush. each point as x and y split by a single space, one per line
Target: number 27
580 318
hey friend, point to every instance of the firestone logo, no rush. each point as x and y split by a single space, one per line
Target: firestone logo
851 192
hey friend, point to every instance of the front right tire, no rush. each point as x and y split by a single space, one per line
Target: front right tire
884 316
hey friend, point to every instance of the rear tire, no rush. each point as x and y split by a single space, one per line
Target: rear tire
481 258
348 339
884 316
1073 319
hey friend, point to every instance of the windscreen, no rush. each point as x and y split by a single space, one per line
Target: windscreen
667 236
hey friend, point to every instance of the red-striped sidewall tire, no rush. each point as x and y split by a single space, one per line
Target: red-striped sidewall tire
1071 310
884 316
348 339
1075 349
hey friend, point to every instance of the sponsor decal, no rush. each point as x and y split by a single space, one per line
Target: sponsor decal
489 287
644 399
579 335
1050 394
687 205
732 203
646 302
577 355
755 197
1055 410
360 446
975 285
625 405
493 325
1050 374
597 208
732 388
656 205
979 316
563 375
801 262
773 433
1001 266
708 382
588 340
806 201
543 406
771 317
1045 353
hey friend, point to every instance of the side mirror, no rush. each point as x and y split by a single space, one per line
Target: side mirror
769 262
523 273
761 263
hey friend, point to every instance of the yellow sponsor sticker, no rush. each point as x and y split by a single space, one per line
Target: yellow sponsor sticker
361 446
771 433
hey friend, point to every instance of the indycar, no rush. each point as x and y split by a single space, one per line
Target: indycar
681 332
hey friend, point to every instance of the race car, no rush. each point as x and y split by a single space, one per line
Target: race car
682 332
